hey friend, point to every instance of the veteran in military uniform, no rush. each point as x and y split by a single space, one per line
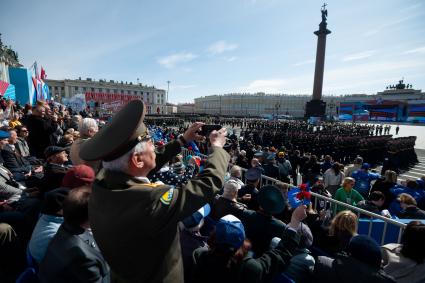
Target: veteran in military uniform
133 220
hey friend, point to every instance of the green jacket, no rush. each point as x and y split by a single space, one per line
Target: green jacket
351 198
135 222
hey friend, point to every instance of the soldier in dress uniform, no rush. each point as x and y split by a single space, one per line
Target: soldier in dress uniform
133 220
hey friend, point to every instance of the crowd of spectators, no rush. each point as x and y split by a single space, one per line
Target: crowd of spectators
248 233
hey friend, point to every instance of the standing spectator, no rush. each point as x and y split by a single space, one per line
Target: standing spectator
227 203
236 175
363 179
146 214
406 261
248 193
270 168
384 185
327 163
347 194
261 227
39 131
311 169
354 167
285 167
333 178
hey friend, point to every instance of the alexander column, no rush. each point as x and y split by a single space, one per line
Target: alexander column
316 107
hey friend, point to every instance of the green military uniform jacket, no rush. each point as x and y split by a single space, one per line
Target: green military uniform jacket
135 223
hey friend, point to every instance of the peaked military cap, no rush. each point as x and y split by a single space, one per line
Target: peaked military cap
271 200
119 136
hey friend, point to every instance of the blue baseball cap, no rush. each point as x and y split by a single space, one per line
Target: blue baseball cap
366 166
4 135
229 232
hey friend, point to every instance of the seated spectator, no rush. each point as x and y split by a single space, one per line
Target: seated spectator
384 185
73 255
20 167
409 209
227 258
260 226
66 142
88 128
406 261
21 144
51 213
55 168
248 193
363 179
374 204
357 164
48 223
333 178
362 263
301 266
347 194
14 122
343 227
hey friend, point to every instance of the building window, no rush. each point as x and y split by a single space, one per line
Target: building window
62 89
122 91
84 89
92 89
76 88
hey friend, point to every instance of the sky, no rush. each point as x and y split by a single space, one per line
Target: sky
221 46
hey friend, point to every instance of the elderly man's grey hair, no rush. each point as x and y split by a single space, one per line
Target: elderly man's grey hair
236 171
230 189
121 163
86 125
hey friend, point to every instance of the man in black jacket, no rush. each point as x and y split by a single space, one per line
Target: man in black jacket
73 255
39 129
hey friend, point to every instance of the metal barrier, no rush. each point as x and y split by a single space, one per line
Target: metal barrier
265 180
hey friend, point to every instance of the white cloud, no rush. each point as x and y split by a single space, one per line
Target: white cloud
231 59
384 26
359 56
306 62
220 47
268 86
416 50
171 61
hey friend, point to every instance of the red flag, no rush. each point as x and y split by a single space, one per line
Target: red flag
43 74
